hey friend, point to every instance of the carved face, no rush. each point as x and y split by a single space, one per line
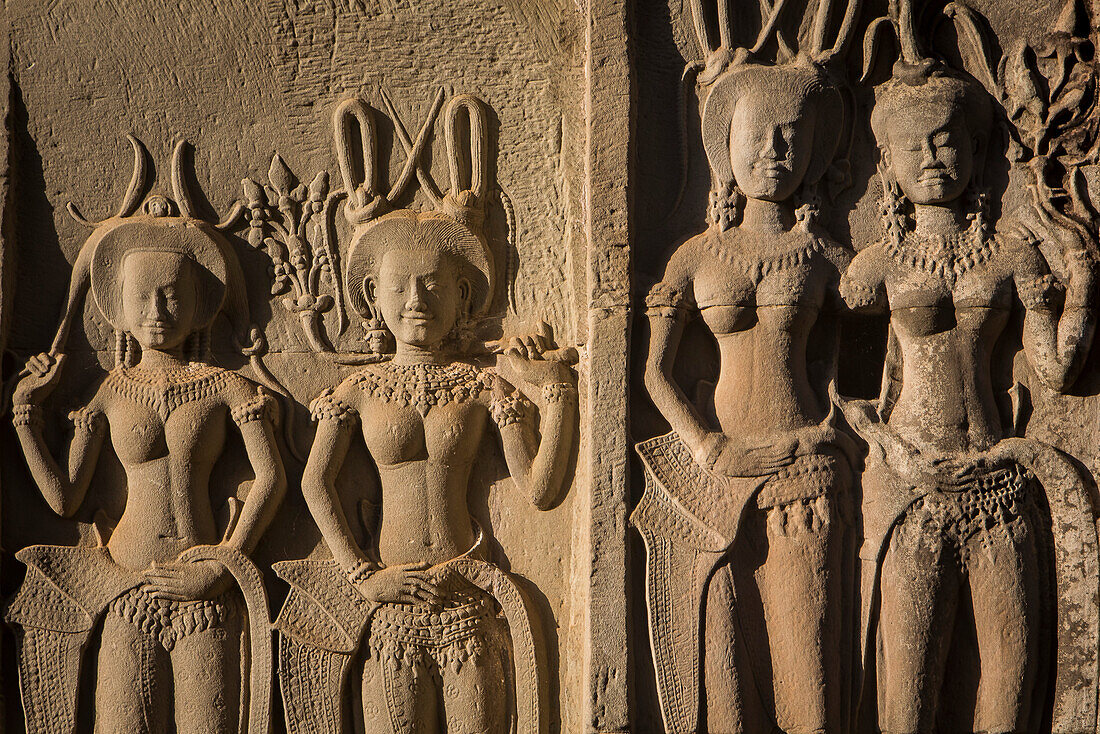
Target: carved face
419 294
931 154
770 149
158 298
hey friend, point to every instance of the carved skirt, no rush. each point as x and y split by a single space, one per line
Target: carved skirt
463 629
170 621
692 522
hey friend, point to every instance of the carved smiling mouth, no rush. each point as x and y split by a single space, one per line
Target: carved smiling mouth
933 177
157 327
417 317
770 169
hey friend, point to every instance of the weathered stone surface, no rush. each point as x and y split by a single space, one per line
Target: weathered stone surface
506 366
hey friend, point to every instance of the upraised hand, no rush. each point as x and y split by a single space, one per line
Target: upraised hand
39 378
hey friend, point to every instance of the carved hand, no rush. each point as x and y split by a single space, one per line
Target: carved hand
40 379
752 459
176 581
525 358
409 583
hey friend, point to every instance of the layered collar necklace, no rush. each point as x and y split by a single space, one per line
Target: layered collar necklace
162 390
423 386
756 265
946 256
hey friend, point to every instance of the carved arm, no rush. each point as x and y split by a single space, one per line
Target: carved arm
63 488
336 423
538 467
256 424
1056 346
665 331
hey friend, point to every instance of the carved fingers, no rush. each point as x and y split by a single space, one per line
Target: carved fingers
746 458
533 359
178 581
38 378
409 583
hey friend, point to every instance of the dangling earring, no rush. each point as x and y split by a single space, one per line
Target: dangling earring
379 339
725 206
198 346
125 349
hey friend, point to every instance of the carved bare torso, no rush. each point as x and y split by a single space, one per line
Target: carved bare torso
424 464
167 432
762 315
947 330
425 427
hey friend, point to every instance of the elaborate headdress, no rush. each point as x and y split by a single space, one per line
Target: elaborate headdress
921 80
799 80
164 225
454 228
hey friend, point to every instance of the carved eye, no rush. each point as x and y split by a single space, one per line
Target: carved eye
941 139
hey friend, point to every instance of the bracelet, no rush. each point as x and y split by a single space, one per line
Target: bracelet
360 572
557 392
27 414
84 419
708 452
509 409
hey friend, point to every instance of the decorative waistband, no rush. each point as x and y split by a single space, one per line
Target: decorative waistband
169 620
450 633
809 477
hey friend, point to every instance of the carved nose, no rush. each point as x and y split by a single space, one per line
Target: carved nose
416 300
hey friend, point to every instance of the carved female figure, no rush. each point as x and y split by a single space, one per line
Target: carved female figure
746 514
955 536
438 656
161 585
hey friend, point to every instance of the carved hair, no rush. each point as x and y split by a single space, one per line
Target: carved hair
802 86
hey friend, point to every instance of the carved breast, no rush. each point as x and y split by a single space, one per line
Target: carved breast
448 434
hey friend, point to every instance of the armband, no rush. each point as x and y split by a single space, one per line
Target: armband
857 295
1038 293
327 407
509 409
667 302
88 420
559 392
255 409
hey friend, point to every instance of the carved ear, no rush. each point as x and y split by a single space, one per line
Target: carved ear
370 291
464 291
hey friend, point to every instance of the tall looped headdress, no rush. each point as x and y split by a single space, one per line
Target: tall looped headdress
455 226
154 222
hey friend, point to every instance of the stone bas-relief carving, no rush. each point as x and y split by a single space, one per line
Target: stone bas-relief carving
968 588
446 637
747 513
909 218
955 509
169 595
